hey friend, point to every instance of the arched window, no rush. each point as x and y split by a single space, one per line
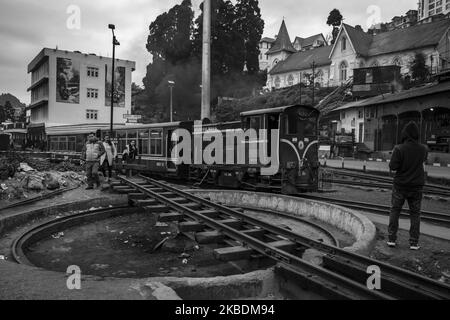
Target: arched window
277 82
343 71
344 44
290 80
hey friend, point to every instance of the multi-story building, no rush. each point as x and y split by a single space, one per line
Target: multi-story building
73 88
430 8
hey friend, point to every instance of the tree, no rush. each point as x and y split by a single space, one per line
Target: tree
419 67
335 20
251 26
2 114
170 34
23 116
10 113
227 42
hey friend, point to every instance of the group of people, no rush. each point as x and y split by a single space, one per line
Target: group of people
101 155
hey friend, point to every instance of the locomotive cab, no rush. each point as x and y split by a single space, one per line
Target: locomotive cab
299 163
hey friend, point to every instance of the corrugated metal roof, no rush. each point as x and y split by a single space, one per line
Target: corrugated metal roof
302 60
306 42
403 95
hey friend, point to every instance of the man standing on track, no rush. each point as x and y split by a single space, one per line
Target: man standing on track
408 163
92 152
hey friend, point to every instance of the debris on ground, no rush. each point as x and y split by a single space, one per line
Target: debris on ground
58 235
24 178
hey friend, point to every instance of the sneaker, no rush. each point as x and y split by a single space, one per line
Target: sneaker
391 244
415 247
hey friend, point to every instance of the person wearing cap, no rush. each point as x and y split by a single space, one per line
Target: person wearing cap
407 162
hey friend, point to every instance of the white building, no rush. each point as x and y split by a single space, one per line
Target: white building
264 45
355 48
73 88
430 8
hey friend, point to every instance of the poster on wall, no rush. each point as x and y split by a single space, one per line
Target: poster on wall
119 87
67 81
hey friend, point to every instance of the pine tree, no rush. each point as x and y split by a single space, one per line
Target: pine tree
251 26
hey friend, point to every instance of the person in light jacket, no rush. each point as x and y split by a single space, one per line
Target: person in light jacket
91 154
107 159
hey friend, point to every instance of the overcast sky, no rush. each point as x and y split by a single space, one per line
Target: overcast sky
26 26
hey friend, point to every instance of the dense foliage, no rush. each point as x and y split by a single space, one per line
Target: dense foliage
175 43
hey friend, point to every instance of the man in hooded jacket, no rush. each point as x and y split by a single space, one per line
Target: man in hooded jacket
408 163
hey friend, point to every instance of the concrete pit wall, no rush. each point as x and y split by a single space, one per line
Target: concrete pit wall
344 219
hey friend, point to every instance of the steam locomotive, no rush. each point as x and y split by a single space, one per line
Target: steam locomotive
287 136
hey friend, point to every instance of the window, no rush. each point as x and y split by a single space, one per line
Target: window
344 44
92 93
277 82
369 76
156 142
92 114
360 114
143 142
92 72
343 71
291 80
255 123
121 141
291 125
342 115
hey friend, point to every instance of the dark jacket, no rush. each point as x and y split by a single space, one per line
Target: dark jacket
408 160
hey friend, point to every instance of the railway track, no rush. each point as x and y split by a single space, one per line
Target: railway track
342 276
383 182
36 199
433 217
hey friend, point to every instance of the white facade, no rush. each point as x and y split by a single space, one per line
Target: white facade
292 78
264 46
88 102
429 8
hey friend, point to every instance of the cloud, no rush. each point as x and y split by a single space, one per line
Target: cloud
26 26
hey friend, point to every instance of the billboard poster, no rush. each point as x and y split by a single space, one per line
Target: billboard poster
119 87
67 81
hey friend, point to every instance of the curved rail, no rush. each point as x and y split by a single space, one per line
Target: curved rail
343 269
48 228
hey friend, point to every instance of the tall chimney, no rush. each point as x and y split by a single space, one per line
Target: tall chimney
206 61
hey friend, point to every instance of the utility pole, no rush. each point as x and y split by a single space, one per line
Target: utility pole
313 81
113 74
300 86
206 61
171 85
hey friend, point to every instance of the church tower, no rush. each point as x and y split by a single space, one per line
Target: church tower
282 48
